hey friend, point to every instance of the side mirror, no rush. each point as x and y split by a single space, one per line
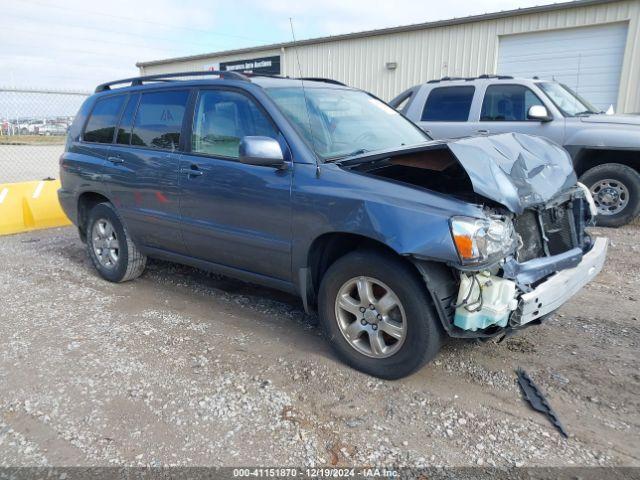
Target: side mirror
539 113
261 151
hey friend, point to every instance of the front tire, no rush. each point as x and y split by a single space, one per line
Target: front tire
376 314
616 191
109 246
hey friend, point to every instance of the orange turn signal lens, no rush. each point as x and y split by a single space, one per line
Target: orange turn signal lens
464 244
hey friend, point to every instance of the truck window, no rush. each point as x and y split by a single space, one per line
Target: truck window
158 121
222 118
448 104
507 103
103 119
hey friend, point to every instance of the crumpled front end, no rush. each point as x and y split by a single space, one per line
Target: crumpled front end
554 258
524 252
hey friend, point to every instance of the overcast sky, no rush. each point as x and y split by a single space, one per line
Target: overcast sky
76 44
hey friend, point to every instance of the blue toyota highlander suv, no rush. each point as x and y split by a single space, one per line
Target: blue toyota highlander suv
324 191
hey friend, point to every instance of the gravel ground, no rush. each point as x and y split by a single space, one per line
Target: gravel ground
181 367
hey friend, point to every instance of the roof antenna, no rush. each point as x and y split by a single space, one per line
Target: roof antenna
304 94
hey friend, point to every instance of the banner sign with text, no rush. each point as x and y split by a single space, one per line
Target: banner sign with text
266 65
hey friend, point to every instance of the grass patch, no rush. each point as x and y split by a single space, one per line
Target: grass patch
32 139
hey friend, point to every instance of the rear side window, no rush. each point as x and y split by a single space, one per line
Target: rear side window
222 118
126 122
507 103
158 121
104 117
448 104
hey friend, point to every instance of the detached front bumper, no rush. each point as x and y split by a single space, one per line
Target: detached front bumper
552 293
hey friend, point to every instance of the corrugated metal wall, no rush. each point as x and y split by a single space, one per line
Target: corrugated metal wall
458 50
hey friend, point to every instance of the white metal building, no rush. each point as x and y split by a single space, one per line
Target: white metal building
591 45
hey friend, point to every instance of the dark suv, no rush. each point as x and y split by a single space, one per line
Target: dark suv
324 191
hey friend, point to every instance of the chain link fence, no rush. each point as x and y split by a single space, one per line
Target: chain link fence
33 130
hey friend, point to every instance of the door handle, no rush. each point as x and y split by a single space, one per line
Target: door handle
194 171
483 131
115 160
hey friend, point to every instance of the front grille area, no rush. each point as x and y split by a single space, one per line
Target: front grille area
551 231
559 229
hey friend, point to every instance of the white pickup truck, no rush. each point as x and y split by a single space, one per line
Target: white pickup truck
605 148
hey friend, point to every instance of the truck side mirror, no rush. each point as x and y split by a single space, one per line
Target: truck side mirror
539 113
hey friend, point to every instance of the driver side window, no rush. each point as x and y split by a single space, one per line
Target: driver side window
507 103
222 118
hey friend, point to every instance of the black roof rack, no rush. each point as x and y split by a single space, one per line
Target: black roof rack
166 77
267 75
286 77
499 77
446 79
308 79
319 79
470 79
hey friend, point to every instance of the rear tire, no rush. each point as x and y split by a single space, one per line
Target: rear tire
405 349
616 191
109 246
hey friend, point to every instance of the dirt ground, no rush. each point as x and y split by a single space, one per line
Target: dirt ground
185 368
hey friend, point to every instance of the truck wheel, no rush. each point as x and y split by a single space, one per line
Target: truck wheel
376 314
110 248
616 192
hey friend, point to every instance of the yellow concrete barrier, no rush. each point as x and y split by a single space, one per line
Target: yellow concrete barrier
28 206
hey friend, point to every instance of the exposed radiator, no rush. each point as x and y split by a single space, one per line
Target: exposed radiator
551 231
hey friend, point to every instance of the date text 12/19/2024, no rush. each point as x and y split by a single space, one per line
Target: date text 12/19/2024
284 472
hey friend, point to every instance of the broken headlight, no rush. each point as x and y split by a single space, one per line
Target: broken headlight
481 240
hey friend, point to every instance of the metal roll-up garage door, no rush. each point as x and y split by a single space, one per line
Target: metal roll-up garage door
587 59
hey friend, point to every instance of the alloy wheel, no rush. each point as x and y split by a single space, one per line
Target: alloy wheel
371 317
105 243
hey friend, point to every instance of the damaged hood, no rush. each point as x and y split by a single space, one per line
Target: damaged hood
516 170
513 169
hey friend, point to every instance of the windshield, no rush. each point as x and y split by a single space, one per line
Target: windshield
568 102
345 122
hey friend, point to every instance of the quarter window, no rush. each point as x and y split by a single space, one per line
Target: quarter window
158 121
508 103
222 119
104 117
448 104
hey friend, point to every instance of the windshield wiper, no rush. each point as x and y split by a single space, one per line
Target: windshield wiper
360 151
